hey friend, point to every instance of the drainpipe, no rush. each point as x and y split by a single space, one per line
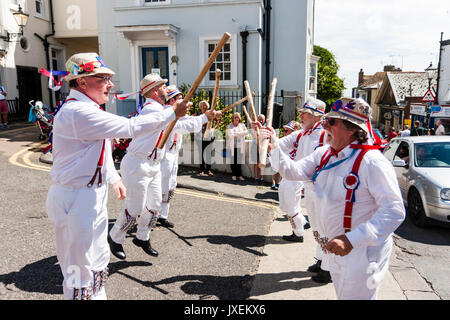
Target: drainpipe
267 27
47 46
438 69
244 35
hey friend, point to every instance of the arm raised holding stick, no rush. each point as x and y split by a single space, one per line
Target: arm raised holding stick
265 143
213 103
195 85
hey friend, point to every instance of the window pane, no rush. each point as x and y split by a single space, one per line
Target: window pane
227 67
226 47
227 75
212 76
211 47
226 57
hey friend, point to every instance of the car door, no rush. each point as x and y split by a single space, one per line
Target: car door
404 153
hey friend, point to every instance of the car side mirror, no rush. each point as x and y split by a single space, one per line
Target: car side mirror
400 163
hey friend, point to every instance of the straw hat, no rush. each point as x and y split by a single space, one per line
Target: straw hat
172 92
150 81
314 106
84 65
354 110
292 125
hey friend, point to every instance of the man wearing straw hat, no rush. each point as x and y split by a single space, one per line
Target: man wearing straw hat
82 168
290 192
141 174
360 199
169 162
313 137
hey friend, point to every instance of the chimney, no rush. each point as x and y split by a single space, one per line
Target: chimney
361 77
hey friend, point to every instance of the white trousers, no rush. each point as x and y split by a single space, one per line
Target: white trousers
142 178
316 225
358 275
169 172
290 196
80 222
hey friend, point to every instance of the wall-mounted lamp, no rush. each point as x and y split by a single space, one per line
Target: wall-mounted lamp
21 20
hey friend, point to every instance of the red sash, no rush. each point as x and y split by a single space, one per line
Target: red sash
294 151
155 150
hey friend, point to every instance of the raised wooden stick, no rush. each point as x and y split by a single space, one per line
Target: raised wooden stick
213 103
247 116
252 111
236 104
195 85
269 116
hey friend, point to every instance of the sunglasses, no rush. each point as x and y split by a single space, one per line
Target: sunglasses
105 79
329 121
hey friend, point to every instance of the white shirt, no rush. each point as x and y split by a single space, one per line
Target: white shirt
440 130
378 209
2 97
78 133
144 143
184 125
406 133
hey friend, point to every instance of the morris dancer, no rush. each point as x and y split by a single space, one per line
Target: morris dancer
82 168
313 137
360 199
169 162
141 174
290 192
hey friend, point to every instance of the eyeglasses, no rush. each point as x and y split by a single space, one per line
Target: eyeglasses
329 121
105 79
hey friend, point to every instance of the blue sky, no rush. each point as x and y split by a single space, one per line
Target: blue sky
369 34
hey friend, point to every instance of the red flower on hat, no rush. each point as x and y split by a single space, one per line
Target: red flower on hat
89 67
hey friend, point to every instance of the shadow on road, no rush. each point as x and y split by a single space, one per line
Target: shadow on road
435 235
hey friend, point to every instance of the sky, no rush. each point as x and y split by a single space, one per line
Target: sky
368 34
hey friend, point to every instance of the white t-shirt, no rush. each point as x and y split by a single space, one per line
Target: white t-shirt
440 130
2 97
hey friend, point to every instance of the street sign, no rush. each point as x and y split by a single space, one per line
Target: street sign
436 109
428 97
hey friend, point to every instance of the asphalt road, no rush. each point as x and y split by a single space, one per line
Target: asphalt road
427 249
212 253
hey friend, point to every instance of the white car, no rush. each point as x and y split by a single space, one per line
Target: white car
422 164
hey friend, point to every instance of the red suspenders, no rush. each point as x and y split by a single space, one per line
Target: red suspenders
294 151
351 183
155 150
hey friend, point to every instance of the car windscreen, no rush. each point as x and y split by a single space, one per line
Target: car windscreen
432 155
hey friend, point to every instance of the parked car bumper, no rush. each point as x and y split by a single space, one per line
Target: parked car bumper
439 209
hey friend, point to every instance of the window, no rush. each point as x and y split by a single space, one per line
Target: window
313 62
226 60
222 62
39 8
154 2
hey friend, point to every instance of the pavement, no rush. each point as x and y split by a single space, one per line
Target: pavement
287 264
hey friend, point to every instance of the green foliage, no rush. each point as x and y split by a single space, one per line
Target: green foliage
201 95
329 86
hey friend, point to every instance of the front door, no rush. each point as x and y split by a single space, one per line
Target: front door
156 60
29 84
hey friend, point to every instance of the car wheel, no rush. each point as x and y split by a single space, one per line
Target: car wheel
416 210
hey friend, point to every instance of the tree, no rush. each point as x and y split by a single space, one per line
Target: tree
329 86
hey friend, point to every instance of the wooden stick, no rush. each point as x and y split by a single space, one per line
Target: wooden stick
195 85
269 116
247 116
213 103
236 104
252 110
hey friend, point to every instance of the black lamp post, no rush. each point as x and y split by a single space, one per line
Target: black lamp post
430 71
21 20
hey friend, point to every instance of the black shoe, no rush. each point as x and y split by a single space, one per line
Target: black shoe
306 226
322 277
293 238
315 267
145 245
116 249
165 223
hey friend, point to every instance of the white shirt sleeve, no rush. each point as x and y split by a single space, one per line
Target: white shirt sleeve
112 176
188 124
294 170
95 124
383 186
